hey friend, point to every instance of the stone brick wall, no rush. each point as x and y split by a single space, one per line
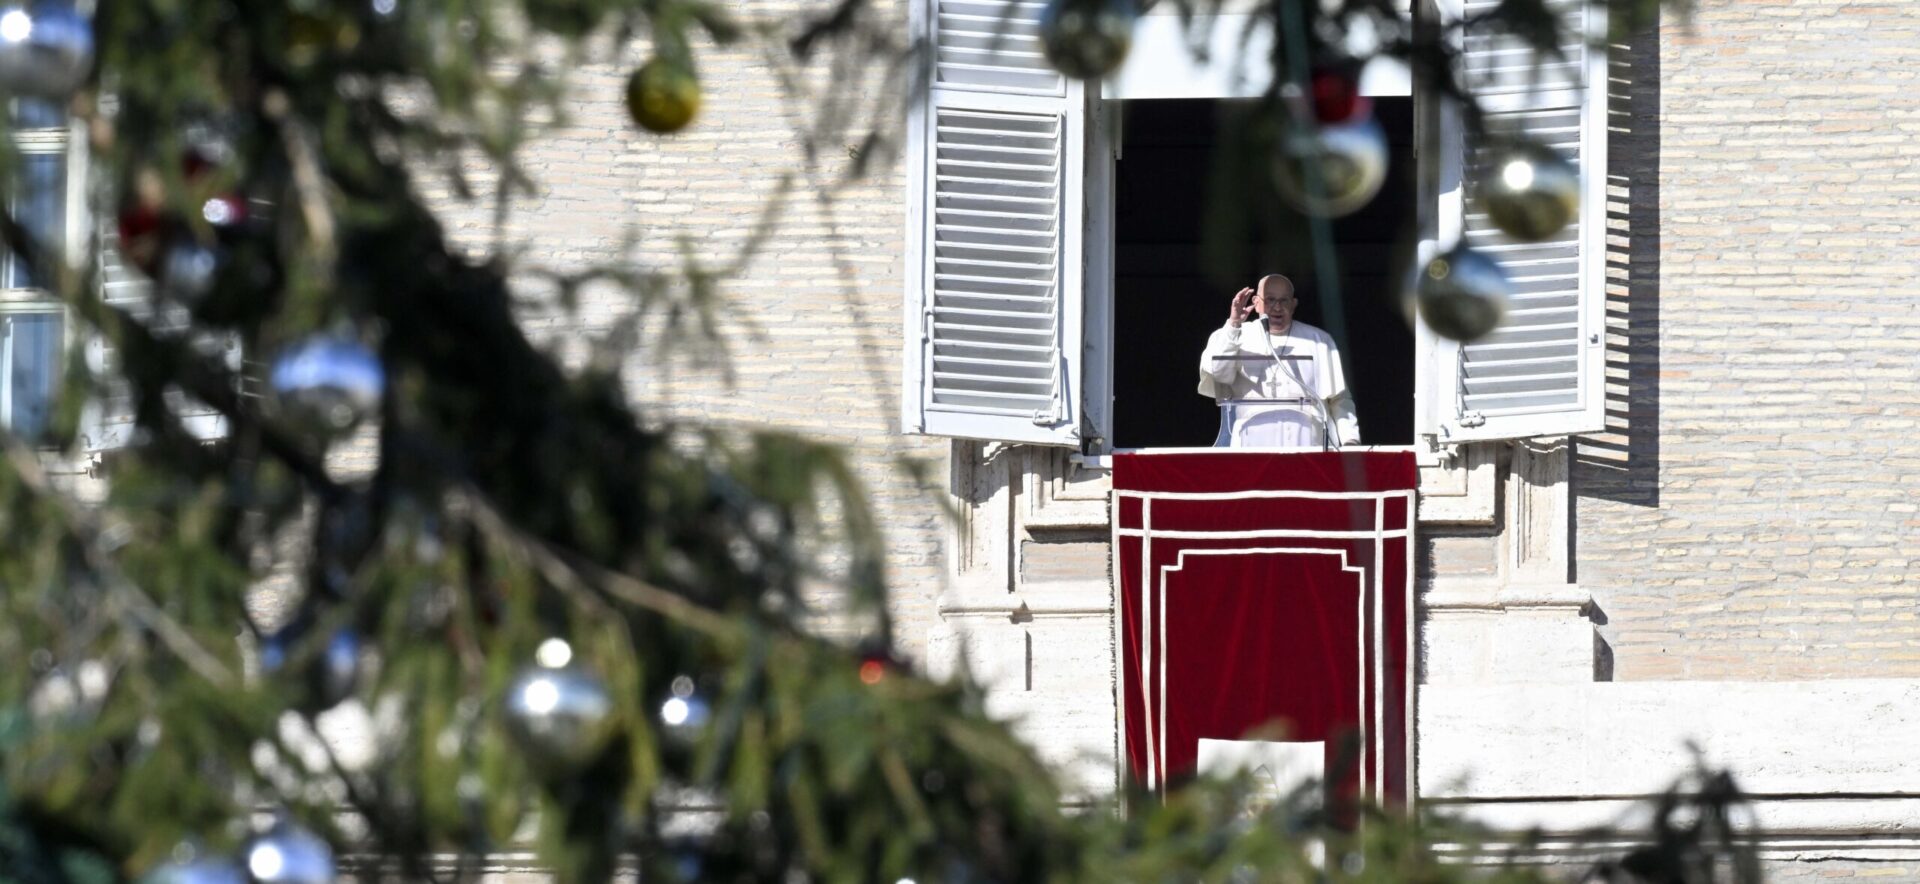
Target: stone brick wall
1753 516
808 323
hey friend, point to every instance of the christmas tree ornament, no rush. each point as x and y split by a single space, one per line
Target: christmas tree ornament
329 677
1530 191
289 854
1462 294
1350 160
328 383
685 712
188 269
46 50
1337 98
188 867
561 716
1087 39
225 211
140 240
663 96
877 662
337 671
181 258
70 694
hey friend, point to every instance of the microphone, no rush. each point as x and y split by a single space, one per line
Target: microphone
1266 323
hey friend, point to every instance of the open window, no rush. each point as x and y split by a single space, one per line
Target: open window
1183 244
1054 297
33 321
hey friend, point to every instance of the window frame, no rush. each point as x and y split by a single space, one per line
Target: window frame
67 143
1439 143
1084 307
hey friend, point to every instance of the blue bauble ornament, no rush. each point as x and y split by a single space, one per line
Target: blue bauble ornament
46 50
328 383
200 870
329 677
289 854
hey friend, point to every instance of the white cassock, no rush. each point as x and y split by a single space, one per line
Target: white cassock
1319 380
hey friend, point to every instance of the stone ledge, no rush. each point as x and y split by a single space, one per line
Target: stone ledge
1524 743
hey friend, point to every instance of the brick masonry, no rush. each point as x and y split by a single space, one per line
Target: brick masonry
1753 516
809 323
1747 517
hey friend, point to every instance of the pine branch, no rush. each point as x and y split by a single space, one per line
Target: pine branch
568 572
26 464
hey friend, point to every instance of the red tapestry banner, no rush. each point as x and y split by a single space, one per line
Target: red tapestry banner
1266 612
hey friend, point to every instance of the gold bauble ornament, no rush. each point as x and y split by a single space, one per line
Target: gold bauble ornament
1350 159
1462 294
1530 192
663 96
1087 39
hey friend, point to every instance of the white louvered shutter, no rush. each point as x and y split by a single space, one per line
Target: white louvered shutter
1541 372
995 231
107 421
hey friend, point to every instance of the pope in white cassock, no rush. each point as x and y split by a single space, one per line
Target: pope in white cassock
1291 363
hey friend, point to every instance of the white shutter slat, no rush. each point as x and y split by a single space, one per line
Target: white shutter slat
993 305
991 46
991 249
107 421
1540 371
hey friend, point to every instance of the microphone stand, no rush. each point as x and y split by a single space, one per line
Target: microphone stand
1326 418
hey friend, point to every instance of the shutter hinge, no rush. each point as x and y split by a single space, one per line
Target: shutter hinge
1473 419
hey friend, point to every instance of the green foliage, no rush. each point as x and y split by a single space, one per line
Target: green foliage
511 501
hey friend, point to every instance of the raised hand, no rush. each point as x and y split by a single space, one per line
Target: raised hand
1242 307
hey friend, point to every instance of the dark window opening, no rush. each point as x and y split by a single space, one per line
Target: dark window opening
1192 225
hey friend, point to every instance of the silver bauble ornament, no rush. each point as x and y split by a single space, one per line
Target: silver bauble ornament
685 712
188 268
329 677
46 50
200 870
1530 191
70 694
337 672
561 716
1352 160
289 854
328 383
1087 39
1462 294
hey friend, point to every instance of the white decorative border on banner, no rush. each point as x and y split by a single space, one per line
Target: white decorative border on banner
1373 738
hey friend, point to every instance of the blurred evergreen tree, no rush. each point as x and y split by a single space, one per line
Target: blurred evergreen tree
566 625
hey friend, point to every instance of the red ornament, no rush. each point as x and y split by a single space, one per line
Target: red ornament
1337 98
224 210
872 671
140 236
